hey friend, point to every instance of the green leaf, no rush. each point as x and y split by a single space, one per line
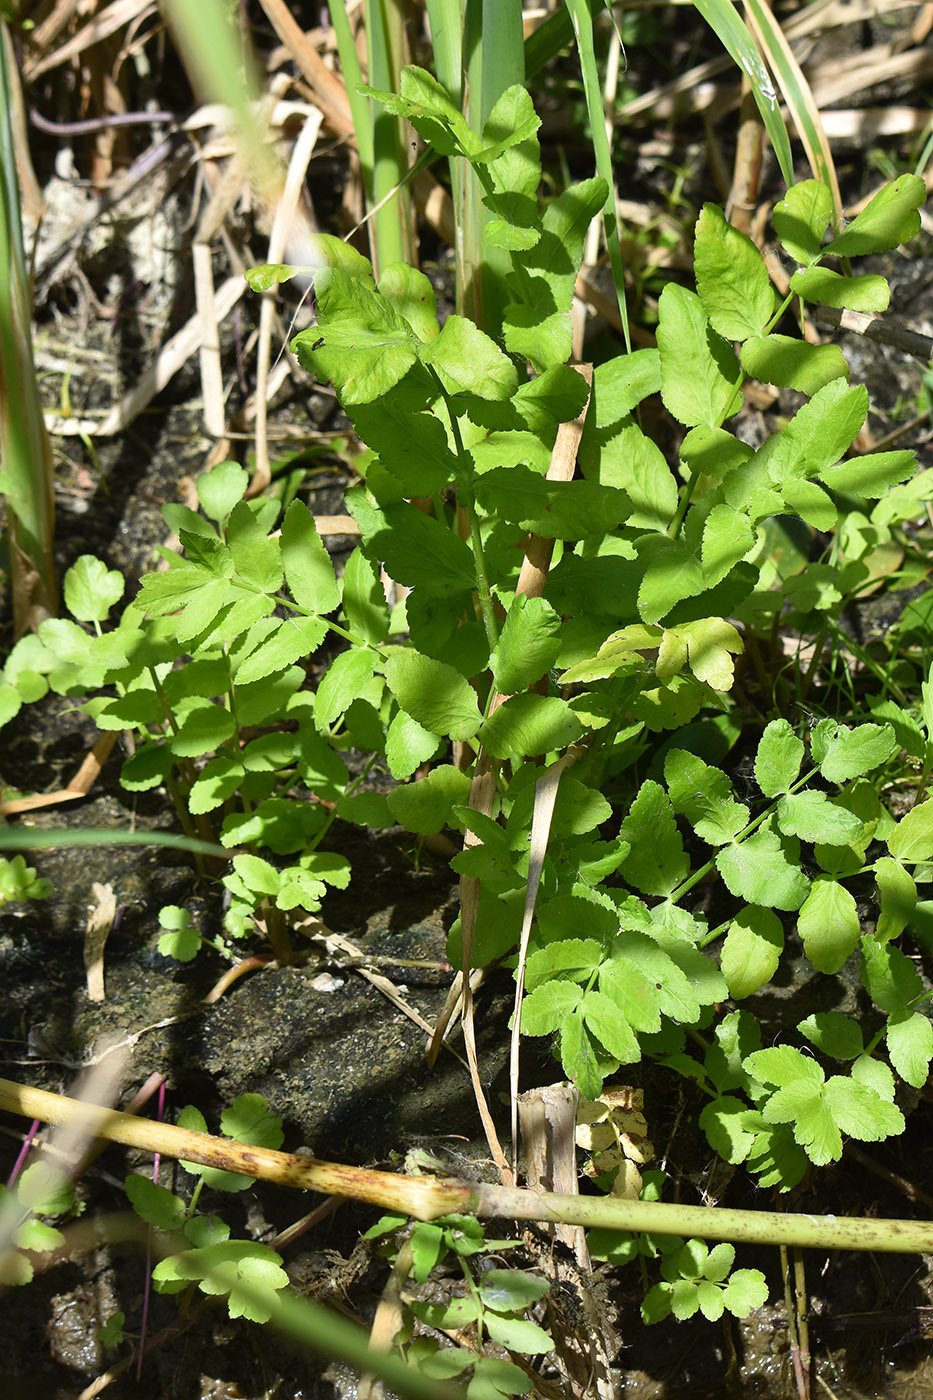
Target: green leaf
777 761
751 950
293 640
849 753
828 923
909 1039
793 364
410 442
434 694
871 474
425 807
529 644
897 896
91 589
672 572
578 1056
732 280
833 1034
154 1204
203 728
891 978
868 293
529 724
728 538
408 745
801 219
813 817
346 676
889 219
763 869
700 376
308 568
611 1030
817 435
364 600
912 839
360 341
217 781
248 1120
256 555
182 944
220 488
619 386
511 1290
657 862
707 646
745 1291
548 1007
45 1189
704 796
554 509
281 823
467 361
411 294
518 1334
414 547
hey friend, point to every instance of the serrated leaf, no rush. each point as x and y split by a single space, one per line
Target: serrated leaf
745 1291
256 555
871 474
425 807
817 435
612 1030
360 342
728 538
763 870
813 817
751 950
346 676
909 1037
220 488
205 727
887 220
657 862
850 753
897 896
710 644
700 376
529 644
793 364
248 1120
802 217
577 1056
890 977
547 1008
414 547
530 724
833 1033
828 923
91 589
868 293
573 958
408 745
154 1204
293 640
511 1290
778 759
217 781
672 572
434 694
620 384
467 361
308 568
411 294
704 796
732 280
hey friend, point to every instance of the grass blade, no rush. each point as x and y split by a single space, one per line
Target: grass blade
25 450
582 21
738 42
798 96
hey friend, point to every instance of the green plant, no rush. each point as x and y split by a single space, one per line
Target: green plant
249 1274
20 881
490 1309
42 1192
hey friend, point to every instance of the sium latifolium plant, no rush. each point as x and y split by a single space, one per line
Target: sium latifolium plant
657 574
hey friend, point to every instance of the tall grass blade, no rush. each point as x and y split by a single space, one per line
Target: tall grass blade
392 235
582 21
720 15
798 96
26 468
